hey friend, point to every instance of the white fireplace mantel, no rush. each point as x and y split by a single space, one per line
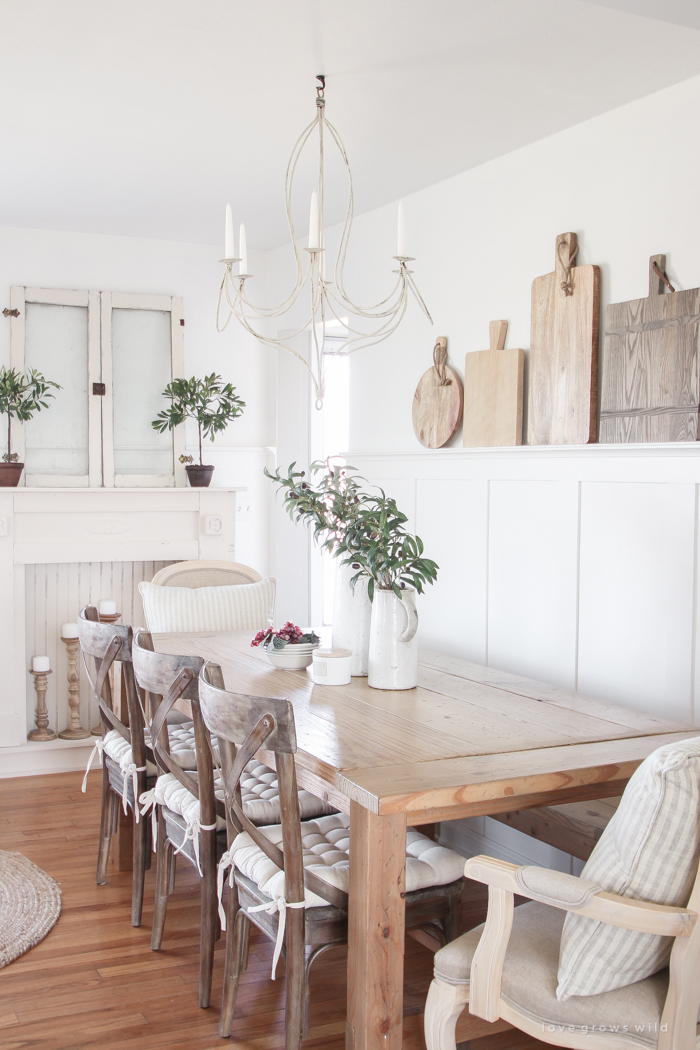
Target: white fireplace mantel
64 527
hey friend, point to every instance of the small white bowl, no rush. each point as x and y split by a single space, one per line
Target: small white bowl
292 657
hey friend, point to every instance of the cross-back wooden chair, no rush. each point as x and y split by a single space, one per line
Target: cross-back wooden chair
165 679
122 747
297 909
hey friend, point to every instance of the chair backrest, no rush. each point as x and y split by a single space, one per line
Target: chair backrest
108 644
205 574
244 724
165 679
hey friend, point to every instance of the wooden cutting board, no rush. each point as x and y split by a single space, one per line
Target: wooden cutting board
493 393
650 385
563 373
437 402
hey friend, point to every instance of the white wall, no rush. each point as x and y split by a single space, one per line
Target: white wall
577 567
52 259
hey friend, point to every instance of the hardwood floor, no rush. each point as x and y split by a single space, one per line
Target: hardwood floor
94 982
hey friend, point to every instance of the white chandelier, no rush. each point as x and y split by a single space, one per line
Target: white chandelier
330 303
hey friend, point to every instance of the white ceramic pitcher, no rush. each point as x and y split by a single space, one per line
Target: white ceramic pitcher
393 646
351 618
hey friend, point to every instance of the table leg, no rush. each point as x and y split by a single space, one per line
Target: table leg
376 928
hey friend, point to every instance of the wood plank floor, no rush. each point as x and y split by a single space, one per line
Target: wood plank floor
94 982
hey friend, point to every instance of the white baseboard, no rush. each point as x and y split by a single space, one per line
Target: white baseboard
35 759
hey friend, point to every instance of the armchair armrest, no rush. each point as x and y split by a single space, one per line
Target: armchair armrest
581 896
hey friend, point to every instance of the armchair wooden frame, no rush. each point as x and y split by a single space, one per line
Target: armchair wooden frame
110 644
244 724
678 1029
165 679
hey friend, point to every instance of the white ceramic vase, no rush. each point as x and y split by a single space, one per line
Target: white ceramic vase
352 610
393 646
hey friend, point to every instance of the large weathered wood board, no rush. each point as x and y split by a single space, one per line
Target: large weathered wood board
650 381
493 393
563 374
437 402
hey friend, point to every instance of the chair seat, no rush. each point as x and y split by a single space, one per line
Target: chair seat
181 740
326 852
259 792
530 981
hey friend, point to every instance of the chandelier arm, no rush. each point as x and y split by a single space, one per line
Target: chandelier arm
277 344
378 337
375 311
288 184
219 326
272 311
347 226
418 296
389 314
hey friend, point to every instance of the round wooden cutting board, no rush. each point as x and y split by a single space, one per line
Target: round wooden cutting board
438 401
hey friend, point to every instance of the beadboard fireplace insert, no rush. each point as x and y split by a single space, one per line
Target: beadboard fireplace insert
62 548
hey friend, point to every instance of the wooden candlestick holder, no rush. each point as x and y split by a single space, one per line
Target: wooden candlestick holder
74 731
42 731
104 618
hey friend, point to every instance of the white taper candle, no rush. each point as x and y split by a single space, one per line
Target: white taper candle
401 250
229 250
243 251
314 242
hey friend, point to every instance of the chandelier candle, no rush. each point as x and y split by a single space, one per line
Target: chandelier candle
329 302
229 251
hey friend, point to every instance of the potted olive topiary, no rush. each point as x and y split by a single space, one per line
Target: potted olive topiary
211 403
21 395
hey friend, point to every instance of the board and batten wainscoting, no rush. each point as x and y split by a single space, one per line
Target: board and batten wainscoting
62 548
575 565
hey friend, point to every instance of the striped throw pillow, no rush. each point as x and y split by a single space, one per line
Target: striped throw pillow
649 851
240 607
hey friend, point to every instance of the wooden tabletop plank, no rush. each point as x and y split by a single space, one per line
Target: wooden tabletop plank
459 781
582 704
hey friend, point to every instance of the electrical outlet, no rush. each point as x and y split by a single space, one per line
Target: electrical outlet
213 526
244 507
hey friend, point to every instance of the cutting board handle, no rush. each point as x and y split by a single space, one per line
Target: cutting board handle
564 255
656 281
497 334
440 359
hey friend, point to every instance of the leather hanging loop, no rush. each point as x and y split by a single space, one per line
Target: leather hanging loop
440 360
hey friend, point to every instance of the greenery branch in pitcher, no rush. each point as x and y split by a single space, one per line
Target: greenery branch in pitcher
381 568
21 396
211 403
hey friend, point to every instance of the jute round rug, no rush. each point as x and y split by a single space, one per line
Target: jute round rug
30 903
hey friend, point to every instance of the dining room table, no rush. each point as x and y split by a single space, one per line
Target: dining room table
469 741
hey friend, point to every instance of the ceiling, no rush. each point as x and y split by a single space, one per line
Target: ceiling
143 117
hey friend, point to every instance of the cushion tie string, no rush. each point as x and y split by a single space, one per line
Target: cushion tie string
148 801
225 863
97 750
280 905
131 770
192 835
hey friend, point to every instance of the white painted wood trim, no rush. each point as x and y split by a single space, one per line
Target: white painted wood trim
59 481
17 333
107 410
94 400
138 301
146 481
57 296
177 350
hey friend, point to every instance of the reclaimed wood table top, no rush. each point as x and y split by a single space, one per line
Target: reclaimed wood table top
469 740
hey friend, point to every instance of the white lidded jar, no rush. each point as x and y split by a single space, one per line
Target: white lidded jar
352 611
331 666
393 646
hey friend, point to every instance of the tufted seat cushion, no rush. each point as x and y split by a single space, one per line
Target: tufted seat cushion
530 982
182 747
259 791
326 852
119 750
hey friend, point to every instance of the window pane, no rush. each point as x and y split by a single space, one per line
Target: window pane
141 370
56 345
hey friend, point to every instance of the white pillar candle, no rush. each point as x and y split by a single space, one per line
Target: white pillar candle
401 250
243 251
229 250
313 223
70 630
107 607
41 663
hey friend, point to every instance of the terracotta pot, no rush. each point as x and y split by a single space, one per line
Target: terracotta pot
199 477
352 611
393 646
10 474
